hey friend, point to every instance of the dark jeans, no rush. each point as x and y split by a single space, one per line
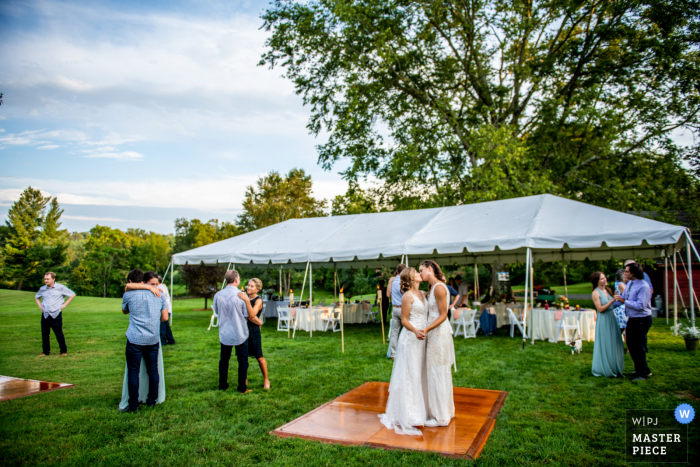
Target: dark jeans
166 334
134 353
47 324
242 357
637 329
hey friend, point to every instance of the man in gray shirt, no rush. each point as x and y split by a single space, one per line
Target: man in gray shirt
233 331
53 295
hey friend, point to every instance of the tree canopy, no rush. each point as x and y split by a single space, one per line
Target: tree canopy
32 241
465 101
279 198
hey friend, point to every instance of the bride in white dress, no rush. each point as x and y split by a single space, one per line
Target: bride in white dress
440 349
407 406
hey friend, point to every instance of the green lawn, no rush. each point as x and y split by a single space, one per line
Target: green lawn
582 288
556 413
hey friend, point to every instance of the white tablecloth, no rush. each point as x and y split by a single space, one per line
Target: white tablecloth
501 311
354 313
311 319
542 325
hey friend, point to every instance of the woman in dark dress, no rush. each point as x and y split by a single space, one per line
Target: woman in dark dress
255 304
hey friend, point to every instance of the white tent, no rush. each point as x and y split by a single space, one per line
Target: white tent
552 228
520 230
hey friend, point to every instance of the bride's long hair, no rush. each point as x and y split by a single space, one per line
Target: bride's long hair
436 269
407 279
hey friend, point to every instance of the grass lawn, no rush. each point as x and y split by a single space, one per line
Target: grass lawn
556 413
582 288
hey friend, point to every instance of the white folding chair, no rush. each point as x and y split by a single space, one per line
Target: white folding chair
332 319
458 319
214 322
372 313
471 318
563 326
285 319
515 321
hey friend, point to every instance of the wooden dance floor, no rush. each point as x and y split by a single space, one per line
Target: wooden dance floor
351 419
12 388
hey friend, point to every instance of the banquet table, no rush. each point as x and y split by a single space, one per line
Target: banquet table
311 319
354 313
270 307
501 311
542 324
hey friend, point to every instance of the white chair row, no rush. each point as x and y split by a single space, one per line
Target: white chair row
287 319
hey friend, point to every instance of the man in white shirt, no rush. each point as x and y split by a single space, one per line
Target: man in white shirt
53 302
463 291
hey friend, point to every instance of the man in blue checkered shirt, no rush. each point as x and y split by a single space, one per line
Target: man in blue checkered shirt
146 311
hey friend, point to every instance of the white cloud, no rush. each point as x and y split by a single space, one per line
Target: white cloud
90 218
49 146
122 156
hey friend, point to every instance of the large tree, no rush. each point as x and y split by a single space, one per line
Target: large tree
194 233
32 241
278 198
471 100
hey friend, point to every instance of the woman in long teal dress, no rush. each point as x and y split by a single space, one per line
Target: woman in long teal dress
608 350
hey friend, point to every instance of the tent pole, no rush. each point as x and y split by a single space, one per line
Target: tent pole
165 275
223 284
335 283
566 289
675 290
311 300
525 307
280 284
172 294
690 281
690 297
666 285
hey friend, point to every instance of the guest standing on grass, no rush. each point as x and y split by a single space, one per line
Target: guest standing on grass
254 304
608 351
154 283
146 311
233 331
53 301
463 291
638 309
385 300
394 291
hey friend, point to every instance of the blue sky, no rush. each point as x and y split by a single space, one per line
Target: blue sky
135 113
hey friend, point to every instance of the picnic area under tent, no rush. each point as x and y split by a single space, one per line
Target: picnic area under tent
519 230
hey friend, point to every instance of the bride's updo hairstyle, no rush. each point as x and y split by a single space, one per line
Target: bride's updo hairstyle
407 279
436 269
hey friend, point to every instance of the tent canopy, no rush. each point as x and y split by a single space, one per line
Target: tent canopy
554 228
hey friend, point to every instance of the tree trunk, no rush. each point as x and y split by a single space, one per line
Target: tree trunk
205 302
19 285
498 288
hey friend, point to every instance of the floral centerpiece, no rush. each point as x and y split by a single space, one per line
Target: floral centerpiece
690 334
561 302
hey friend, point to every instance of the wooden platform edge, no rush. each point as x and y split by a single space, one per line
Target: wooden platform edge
40 392
479 442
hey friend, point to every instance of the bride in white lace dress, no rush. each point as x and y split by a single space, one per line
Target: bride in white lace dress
407 406
440 349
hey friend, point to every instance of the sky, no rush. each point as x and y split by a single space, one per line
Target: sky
136 113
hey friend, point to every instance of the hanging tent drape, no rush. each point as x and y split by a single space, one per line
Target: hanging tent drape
549 227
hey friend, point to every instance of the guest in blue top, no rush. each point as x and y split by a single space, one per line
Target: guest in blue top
53 302
146 311
637 301
233 330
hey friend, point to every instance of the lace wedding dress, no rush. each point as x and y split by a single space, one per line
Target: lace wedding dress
407 406
440 356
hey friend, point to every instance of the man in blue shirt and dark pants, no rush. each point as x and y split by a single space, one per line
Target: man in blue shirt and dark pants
53 300
637 301
146 312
